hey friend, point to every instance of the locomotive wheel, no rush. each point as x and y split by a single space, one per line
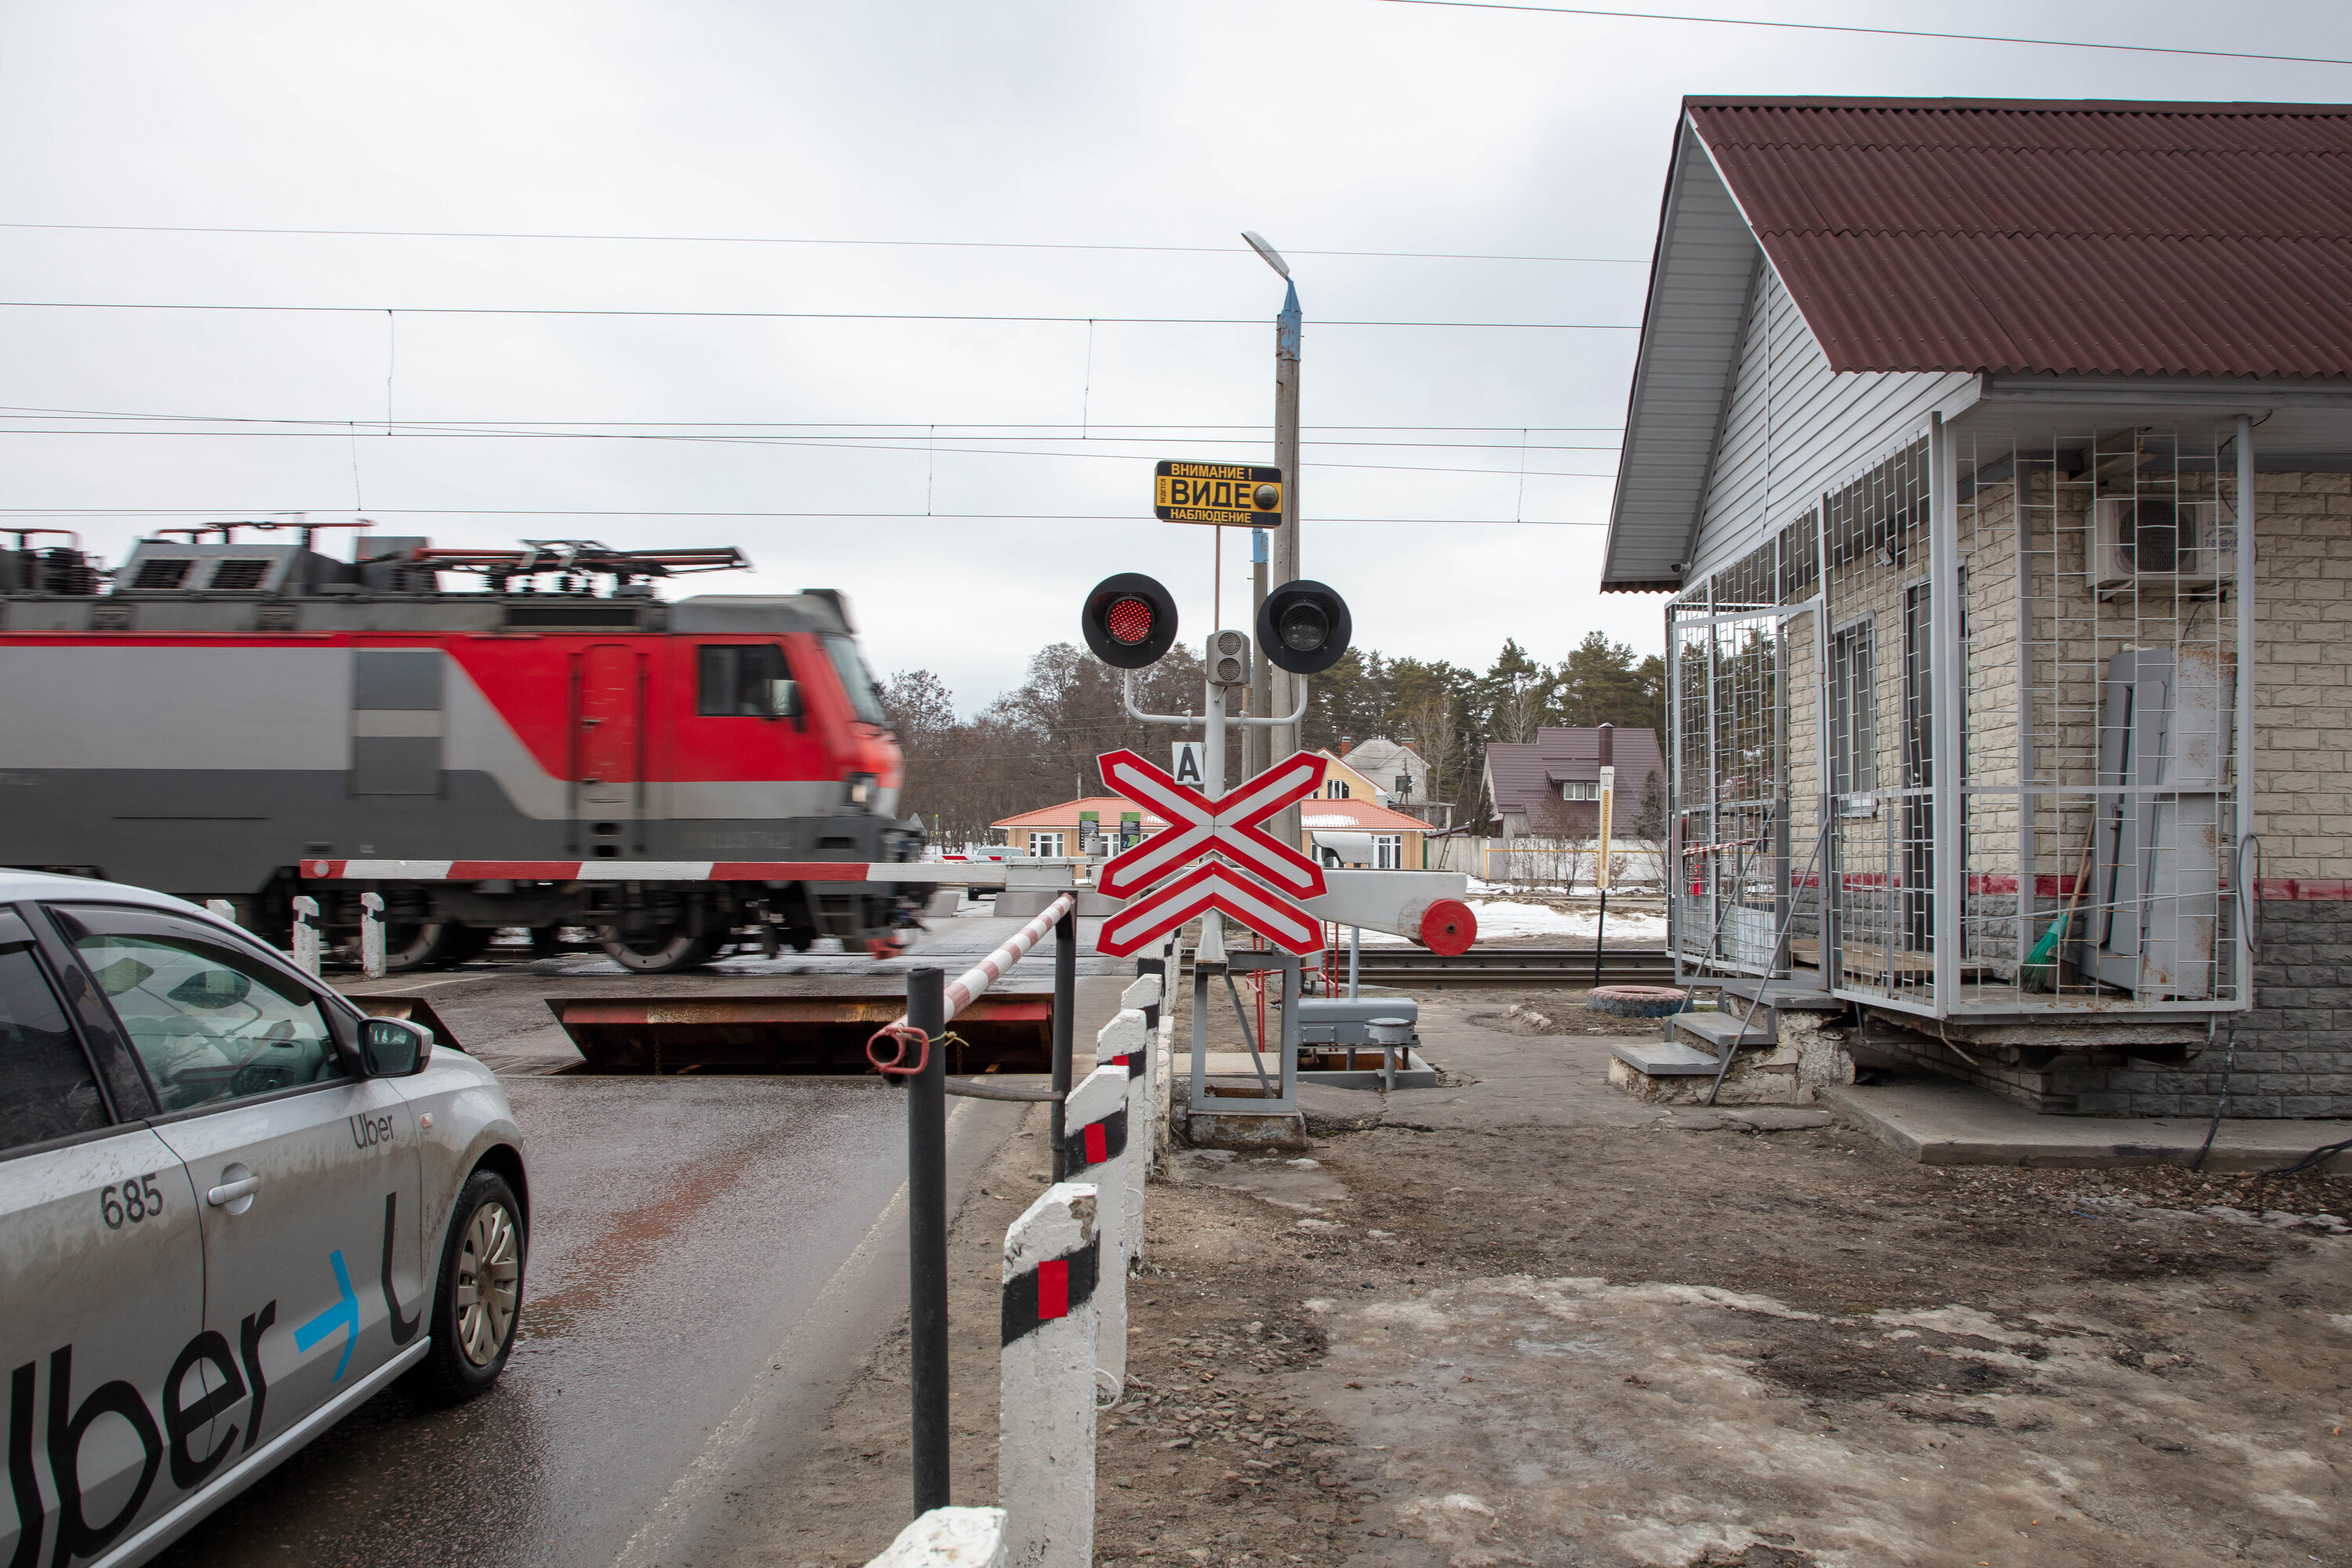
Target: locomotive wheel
429 944
667 948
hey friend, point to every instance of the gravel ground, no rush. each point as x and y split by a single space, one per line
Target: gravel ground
1531 1342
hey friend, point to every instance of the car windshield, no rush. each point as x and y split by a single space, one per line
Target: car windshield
856 679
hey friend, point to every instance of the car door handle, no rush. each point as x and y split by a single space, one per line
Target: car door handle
229 1192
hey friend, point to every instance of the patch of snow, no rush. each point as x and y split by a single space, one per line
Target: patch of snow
1506 917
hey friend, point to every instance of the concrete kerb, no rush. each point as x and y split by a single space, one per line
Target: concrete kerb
1956 1124
1045 1418
948 1538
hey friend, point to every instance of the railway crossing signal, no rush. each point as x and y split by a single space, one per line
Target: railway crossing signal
1215 886
1130 620
1198 827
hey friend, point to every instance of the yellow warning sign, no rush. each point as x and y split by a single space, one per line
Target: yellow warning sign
1223 495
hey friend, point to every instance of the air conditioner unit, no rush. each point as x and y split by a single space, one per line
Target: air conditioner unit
2138 543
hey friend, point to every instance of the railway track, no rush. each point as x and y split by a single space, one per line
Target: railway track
1501 966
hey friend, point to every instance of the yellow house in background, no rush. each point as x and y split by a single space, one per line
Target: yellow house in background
1350 804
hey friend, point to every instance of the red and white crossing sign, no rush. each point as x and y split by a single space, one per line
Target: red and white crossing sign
1200 827
1227 825
1215 886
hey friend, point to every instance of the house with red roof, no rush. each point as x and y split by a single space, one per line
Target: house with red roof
1994 458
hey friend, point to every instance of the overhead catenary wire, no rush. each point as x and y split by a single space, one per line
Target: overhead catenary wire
804 240
1877 32
375 431
239 513
846 429
650 313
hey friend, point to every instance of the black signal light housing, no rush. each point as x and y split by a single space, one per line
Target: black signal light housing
1130 620
1303 627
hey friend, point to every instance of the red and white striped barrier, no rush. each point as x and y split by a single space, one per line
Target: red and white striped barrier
1095 1148
1045 1412
964 873
976 980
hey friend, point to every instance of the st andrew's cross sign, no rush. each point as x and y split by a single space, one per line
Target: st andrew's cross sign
1198 827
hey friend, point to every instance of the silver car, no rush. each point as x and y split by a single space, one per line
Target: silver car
232 1208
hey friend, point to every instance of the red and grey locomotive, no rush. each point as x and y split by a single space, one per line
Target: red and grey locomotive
227 718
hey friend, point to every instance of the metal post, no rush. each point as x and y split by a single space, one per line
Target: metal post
1944 673
926 1240
1600 935
1212 785
1285 567
1257 748
1355 957
1066 1018
2243 778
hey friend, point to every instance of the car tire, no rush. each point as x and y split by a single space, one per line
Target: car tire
472 1328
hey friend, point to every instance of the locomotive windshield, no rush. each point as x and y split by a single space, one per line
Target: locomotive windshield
856 679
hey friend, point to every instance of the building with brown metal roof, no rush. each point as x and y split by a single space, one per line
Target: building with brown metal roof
1998 457
1550 786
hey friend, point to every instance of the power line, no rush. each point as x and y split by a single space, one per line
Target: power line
787 239
789 315
348 429
1879 32
957 430
278 512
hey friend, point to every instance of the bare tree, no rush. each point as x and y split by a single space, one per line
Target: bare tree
1429 721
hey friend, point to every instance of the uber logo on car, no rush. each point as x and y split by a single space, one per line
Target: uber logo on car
370 1130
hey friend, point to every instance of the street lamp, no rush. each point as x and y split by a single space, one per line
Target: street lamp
1279 695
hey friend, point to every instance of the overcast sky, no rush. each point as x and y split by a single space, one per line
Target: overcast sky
1330 125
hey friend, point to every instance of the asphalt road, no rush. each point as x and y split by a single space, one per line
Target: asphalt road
711 1258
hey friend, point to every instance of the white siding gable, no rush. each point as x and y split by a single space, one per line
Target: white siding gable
1793 428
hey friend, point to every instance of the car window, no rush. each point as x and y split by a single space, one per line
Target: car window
46 1088
211 1024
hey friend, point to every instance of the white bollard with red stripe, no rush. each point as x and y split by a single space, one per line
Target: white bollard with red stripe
1094 1145
948 1538
1126 1040
1045 1411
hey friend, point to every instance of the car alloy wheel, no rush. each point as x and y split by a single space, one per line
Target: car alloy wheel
490 1275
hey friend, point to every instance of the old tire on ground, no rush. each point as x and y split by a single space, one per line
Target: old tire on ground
1636 1001
670 948
477 1298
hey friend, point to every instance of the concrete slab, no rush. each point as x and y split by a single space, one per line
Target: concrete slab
1939 1123
1496 1081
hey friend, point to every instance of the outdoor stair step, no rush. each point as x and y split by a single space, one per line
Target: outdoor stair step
1659 1059
1722 1029
1787 996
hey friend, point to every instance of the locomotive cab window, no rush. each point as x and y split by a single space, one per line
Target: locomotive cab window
747 681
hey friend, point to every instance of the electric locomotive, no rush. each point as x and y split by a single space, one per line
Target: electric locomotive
482 738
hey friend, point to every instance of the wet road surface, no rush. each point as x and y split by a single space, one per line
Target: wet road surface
711 1259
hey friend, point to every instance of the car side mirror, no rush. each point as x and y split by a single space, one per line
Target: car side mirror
783 698
394 1047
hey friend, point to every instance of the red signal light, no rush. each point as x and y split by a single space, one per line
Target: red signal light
1128 621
